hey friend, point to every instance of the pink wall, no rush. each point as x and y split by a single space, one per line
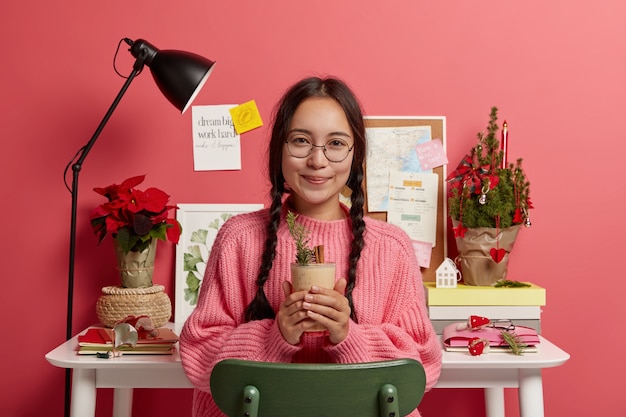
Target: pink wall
555 69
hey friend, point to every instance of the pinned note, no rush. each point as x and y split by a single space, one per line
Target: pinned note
431 154
246 117
216 144
423 252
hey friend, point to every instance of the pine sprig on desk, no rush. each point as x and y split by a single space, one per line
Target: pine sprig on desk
514 342
511 284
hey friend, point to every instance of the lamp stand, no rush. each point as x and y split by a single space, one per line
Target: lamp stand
179 75
76 167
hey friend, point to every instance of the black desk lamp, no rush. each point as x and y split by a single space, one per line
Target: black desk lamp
179 75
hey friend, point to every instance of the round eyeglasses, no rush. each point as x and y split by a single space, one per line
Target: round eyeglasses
335 150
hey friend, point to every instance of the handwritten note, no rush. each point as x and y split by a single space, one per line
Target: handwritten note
431 154
216 144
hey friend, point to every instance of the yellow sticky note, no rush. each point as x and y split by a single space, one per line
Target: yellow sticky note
246 117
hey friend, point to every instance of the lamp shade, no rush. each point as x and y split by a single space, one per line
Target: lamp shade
179 75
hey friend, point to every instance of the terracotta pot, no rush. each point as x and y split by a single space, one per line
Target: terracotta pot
136 268
476 260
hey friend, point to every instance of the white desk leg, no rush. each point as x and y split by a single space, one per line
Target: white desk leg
530 393
83 393
122 402
494 402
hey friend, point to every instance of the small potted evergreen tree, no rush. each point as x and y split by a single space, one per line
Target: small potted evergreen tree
488 200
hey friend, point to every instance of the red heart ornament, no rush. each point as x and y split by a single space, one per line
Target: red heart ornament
497 254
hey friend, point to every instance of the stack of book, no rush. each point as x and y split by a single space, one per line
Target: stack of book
521 305
457 340
98 340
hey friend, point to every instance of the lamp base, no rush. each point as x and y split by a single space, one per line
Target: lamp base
116 303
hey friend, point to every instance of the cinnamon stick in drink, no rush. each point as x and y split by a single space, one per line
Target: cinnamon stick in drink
319 254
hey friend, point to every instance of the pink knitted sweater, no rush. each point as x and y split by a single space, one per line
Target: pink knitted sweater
388 298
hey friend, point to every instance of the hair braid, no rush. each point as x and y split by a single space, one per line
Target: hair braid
260 308
358 229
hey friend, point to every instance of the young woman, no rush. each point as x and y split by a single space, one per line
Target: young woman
246 308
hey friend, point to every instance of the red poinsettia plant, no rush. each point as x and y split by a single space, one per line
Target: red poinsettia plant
134 217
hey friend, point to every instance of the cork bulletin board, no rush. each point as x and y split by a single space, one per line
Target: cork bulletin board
438 131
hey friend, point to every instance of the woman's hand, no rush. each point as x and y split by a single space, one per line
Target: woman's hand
330 308
301 310
291 318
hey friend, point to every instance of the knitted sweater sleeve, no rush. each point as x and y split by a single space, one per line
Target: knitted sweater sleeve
215 329
400 328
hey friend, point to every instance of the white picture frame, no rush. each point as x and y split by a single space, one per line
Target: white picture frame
200 224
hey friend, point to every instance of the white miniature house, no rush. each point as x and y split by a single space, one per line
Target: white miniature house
447 274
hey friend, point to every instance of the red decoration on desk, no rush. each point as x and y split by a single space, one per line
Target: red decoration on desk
143 324
474 323
478 346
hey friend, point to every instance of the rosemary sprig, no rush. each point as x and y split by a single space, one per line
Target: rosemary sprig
300 234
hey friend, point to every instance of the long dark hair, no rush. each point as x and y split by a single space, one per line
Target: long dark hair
336 89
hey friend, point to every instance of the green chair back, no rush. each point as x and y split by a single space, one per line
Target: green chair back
391 388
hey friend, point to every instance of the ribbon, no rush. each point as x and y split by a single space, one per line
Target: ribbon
466 175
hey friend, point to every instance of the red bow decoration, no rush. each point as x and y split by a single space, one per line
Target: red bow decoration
466 175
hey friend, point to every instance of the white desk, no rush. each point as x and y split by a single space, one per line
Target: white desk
492 371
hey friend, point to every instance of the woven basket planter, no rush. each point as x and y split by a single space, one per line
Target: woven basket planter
116 303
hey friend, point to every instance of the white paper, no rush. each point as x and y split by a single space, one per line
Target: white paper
391 149
216 144
413 204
